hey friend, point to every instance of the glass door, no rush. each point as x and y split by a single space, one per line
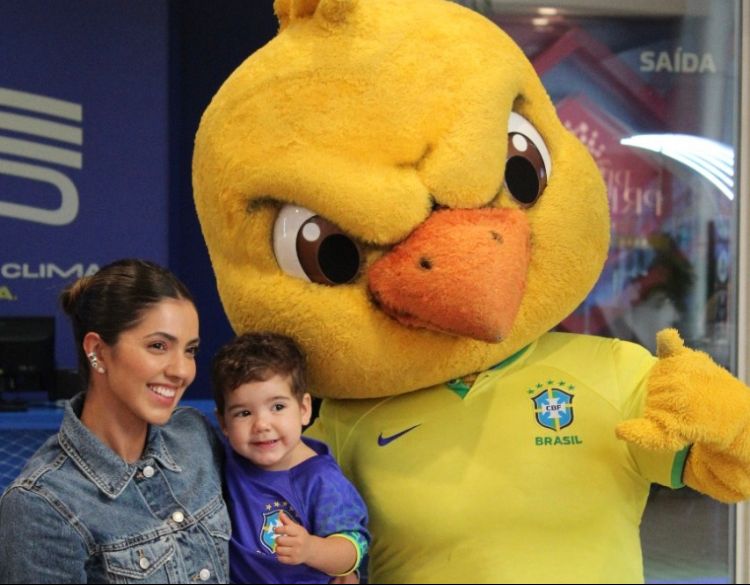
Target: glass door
653 90
742 526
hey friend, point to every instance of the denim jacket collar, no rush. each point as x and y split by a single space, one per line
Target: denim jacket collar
107 470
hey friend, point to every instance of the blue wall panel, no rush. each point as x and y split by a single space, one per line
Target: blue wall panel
83 145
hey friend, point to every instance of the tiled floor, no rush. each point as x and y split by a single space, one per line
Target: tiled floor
16 446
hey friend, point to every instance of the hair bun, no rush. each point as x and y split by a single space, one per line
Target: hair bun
71 294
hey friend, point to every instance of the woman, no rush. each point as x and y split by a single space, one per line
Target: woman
129 490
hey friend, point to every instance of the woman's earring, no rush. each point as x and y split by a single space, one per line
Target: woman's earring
94 361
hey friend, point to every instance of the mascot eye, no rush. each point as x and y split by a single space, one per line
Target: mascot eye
312 248
528 165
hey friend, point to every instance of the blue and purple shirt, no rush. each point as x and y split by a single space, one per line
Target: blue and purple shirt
314 493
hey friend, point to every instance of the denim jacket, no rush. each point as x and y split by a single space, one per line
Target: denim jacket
79 513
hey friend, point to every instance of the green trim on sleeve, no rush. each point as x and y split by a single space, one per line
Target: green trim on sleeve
678 467
360 546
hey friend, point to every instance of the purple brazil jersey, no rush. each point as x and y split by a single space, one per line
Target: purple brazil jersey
314 493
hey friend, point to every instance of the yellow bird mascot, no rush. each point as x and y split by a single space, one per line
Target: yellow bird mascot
387 182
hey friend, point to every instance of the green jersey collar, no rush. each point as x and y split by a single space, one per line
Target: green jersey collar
462 385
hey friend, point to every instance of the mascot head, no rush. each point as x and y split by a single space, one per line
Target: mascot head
388 183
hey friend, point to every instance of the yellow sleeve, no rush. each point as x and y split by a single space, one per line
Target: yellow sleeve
633 364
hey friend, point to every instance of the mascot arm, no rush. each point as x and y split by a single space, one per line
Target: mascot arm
693 401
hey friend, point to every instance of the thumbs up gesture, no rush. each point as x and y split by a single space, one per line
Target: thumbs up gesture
691 400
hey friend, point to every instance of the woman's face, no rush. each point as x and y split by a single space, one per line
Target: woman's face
151 365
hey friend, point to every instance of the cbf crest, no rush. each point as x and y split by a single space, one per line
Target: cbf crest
268 532
553 406
271 520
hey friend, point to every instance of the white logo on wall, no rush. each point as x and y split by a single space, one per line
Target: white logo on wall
678 61
25 271
52 121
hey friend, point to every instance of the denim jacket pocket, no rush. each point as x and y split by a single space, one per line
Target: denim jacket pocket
218 526
147 562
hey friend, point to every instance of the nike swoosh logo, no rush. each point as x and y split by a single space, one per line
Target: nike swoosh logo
383 441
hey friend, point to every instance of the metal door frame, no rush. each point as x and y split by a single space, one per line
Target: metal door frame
742 527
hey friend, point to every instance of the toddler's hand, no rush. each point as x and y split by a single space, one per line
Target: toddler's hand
293 544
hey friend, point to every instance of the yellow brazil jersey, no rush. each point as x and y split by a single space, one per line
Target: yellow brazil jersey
519 480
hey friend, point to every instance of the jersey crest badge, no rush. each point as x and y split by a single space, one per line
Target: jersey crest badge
267 532
553 408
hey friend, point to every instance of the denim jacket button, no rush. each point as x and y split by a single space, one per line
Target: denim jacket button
148 471
178 516
144 563
204 574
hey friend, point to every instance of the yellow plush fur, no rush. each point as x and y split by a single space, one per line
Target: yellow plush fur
357 112
692 401
372 114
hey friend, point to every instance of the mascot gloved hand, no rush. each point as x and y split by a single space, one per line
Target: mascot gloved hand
388 183
680 411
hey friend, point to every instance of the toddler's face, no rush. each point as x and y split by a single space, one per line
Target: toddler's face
263 422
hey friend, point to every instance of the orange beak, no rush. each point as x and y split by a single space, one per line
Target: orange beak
462 272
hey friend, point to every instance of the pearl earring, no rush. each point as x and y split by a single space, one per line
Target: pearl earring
94 361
